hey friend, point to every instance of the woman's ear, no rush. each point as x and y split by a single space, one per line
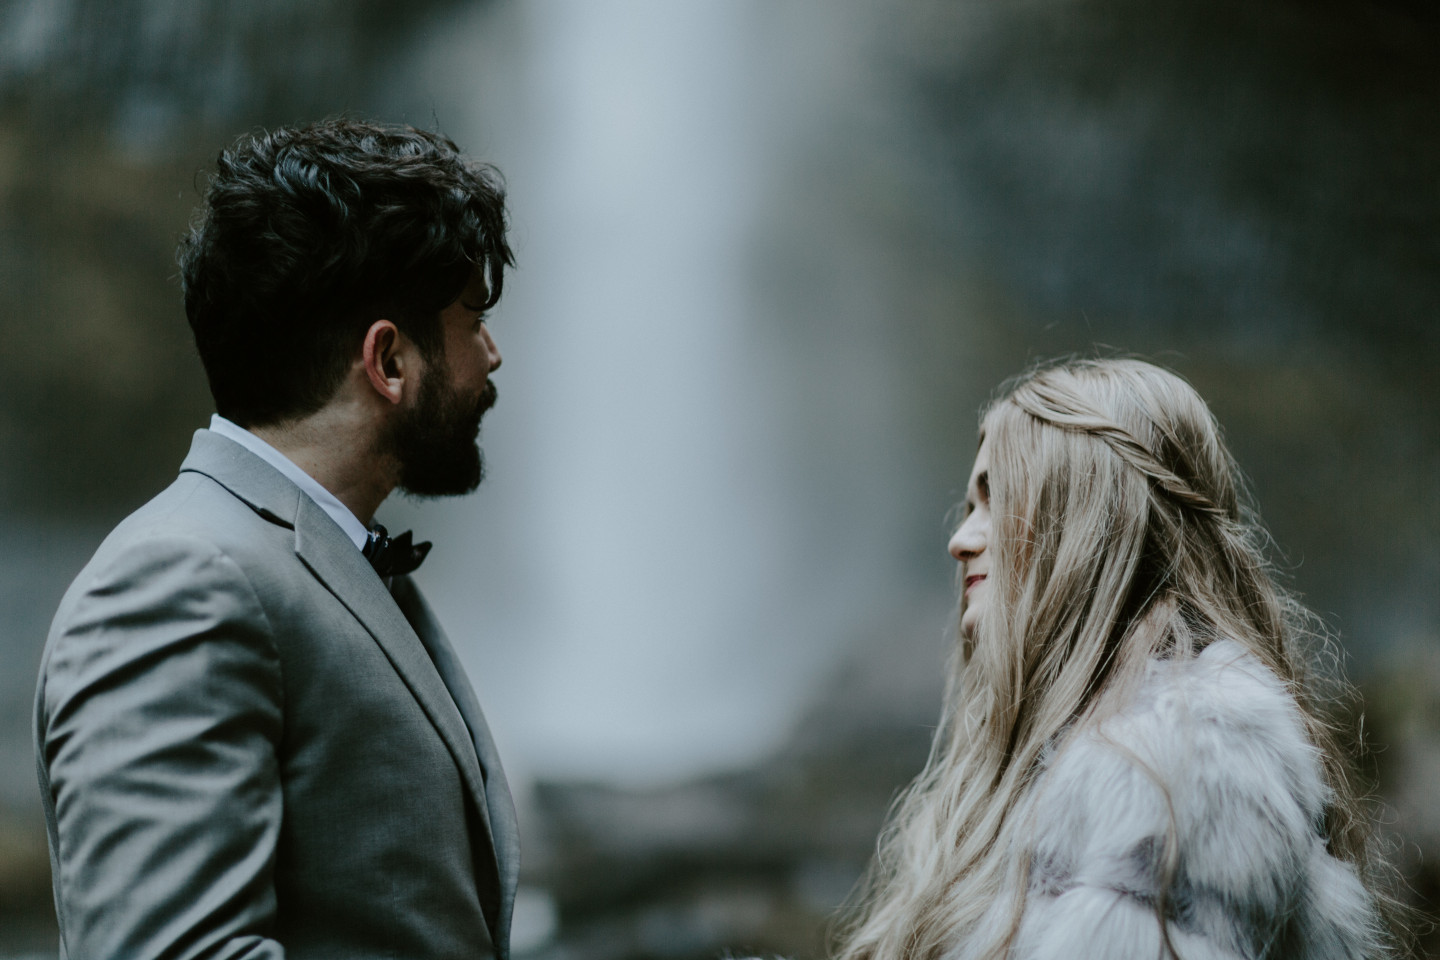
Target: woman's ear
385 357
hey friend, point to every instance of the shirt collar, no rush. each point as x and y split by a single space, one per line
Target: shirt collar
323 498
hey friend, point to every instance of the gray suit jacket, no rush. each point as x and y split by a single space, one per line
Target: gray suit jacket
249 746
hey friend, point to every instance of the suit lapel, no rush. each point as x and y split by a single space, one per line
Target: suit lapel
331 556
323 547
504 829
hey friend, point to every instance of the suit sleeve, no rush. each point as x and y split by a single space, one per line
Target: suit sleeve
159 719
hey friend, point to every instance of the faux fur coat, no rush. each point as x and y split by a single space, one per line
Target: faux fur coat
1214 750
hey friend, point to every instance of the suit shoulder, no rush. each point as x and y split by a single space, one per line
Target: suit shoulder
197 507
193 517
174 569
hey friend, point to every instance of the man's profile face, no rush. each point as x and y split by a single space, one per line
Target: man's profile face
434 439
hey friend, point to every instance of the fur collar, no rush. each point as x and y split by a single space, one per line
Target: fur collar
1208 768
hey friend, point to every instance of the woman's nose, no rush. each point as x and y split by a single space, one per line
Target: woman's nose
968 541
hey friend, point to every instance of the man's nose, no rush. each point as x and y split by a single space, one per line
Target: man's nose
492 349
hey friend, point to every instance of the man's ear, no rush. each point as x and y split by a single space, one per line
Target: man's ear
386 357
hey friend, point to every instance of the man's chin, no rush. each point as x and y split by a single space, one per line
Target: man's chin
452 476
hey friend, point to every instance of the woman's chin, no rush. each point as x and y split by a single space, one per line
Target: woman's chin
969 618
970 609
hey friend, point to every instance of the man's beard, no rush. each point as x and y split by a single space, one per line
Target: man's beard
435 441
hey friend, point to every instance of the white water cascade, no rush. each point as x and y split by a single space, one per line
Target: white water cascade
632 588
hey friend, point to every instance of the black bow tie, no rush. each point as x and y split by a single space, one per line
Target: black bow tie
394 556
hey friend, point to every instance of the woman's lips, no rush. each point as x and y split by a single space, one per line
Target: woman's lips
971 580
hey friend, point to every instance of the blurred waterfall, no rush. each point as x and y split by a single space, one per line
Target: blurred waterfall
633 588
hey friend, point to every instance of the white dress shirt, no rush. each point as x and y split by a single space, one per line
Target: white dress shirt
323 498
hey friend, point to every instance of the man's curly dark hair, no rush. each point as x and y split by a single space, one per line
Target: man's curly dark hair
309 234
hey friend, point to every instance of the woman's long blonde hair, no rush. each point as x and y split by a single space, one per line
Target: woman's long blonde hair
1120 532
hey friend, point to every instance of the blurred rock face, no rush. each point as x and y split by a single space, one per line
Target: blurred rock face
753 861
1244 191
1251 173
109 115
